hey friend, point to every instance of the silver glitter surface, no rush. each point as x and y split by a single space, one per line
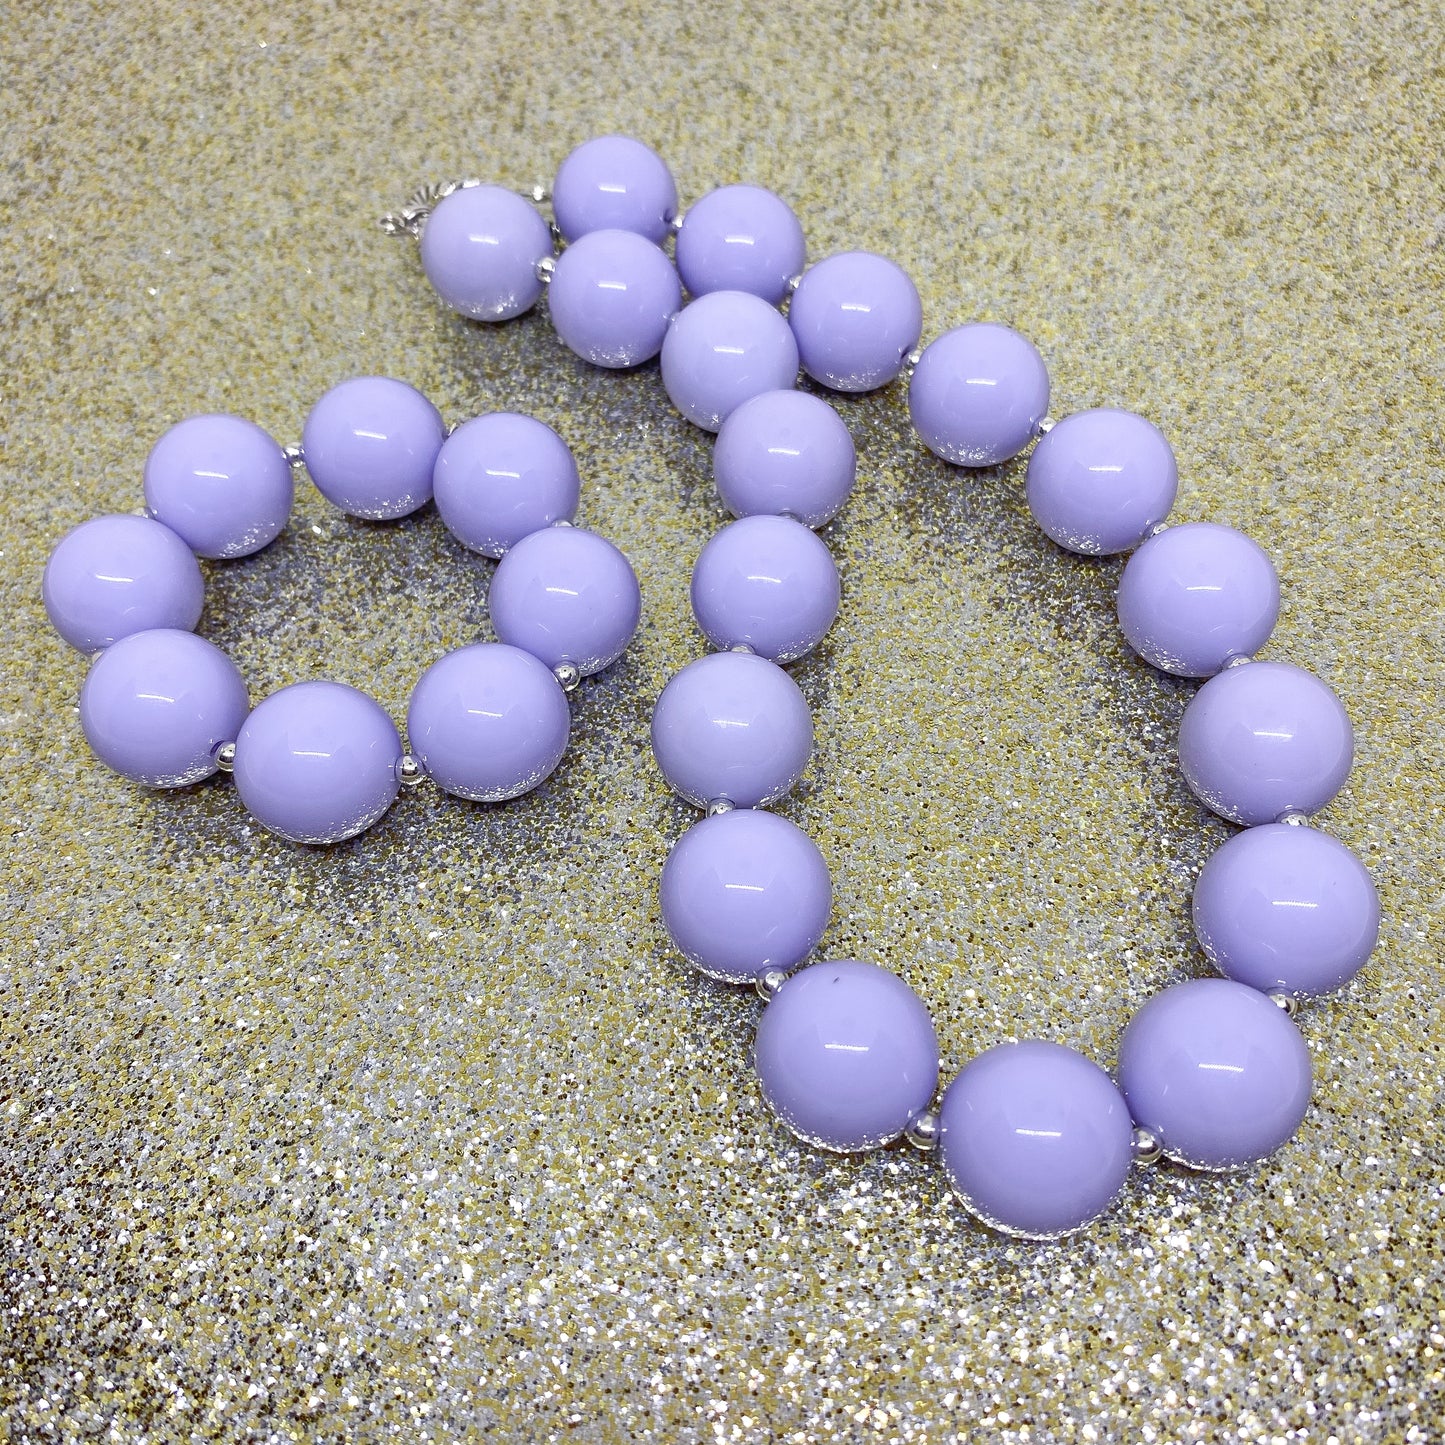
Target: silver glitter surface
427 1136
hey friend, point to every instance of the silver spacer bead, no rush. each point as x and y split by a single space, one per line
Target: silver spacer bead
225 756
1240 659
767 984
922 1131
294 455
546 269
910 363
743 647
719 806
1287 1001
538 195
794 282
568 674
1151 532
562 522
1294 817
676 222
1046 425
1145 1146
409 771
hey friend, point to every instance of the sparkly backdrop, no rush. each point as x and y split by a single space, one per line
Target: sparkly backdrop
428 1135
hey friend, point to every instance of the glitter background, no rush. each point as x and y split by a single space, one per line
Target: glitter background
427 1135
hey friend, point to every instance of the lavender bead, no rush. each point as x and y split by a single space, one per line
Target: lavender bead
1264 739
1035 1138
1289 908
1195 596
156 705
732 726
612 296
856 316
722 349
846 1055
566 596
502 476
744 892
488 722
785 452
316 762
613 182
480 248
1216 1071
766 582
1100 480
371 444
112 576
740 238
978 394
221 484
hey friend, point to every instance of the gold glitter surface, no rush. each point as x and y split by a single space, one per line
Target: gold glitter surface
427 1136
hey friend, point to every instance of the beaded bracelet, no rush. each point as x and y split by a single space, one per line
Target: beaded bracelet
318 762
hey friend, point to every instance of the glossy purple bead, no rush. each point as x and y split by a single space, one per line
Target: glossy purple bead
785 452
978 394
1100 480
744 892
156 705
721 350
1035 1138
371 444
316 762
1289 908
488 722
112 576
612 296
1217 1071
732 726
1263 739
1196 595
480 248
221 484
566 595
767 582
502 476
740 238
613 182
856 316
846 1055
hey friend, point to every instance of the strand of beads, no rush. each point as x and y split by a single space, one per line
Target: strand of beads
318 762
1036 1139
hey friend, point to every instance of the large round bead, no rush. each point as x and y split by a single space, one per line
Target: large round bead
1263 739
1099 480
785 452
156 705
612 297
1290 908
317 762
112 576
740 238
502 476
745 892
1035 1138
768 583
732 727
978 394
1216 1071
488 722
721 350
856 316
566 595
371 444
221 484
846 1055
480 247
614 182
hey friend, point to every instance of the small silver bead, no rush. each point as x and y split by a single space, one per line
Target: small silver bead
562 522
1046 425
568 675
742 647
769 982
922 1131
794 282
546 269
1240 659
226 757
1145 1146
1155 530
910 362
677 220
1294 817
1287 1001
294 455
409 771
538 195
719 806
